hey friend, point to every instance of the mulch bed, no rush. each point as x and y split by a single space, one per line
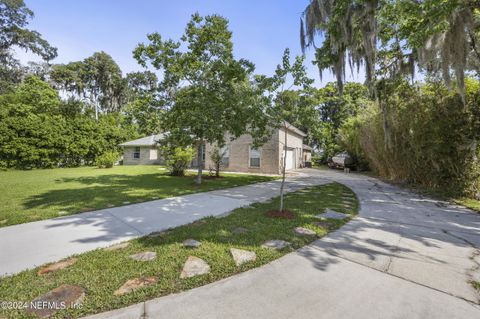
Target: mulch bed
280 214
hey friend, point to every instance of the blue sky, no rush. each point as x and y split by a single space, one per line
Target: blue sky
261 29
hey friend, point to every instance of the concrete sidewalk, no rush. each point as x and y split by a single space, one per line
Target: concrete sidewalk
405 256
29 245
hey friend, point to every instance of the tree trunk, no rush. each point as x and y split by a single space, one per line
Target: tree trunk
283 170
198 180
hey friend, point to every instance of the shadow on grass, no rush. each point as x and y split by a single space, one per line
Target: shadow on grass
91 193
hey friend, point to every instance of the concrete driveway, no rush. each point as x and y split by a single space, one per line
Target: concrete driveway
405 256
29 245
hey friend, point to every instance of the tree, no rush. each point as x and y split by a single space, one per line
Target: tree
14 17
97 80
390 38
205 91
217 154
334 109
143 109
279 108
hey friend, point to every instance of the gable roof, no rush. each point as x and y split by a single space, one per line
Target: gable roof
292 128
145 141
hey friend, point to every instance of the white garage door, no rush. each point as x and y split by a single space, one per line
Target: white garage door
290 159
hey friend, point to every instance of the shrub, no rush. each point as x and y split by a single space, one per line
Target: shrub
178 159
216 155
107 159
435 138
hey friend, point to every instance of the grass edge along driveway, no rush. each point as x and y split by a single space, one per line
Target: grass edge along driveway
102 272
28 196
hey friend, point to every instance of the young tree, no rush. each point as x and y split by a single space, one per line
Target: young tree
292 75
206 92
217 154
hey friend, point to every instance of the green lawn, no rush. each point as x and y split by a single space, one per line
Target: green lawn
27 196
102 272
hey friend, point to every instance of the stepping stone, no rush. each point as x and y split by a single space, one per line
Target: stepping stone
241 256
62 212
134 284
191 243
158 233
324 224
301 231
57 266
332 214
63 296
194 266
144 256
240 230
276 244
117 246
199 222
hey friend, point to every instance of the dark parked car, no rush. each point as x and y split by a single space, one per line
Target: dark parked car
341 160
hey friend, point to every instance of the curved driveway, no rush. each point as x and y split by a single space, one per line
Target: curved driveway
405 256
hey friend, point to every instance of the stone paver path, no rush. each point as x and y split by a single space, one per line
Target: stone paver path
144 256
57 266
277 244
241 256
194 266
332 214
404 256
63 296
67 235
301 231
191 243
134 284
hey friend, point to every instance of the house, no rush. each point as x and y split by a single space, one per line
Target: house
240 155
142 151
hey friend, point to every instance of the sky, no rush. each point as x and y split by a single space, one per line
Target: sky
261 29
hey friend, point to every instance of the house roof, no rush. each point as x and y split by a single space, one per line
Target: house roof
145 141
295 130
307 148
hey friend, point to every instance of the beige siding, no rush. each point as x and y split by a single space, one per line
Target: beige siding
239 160
148 156
307 156
270 153
294 142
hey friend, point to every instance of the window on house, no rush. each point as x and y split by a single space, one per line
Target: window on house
136 152
254 157
225 152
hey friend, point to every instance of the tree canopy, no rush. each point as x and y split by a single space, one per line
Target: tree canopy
205 91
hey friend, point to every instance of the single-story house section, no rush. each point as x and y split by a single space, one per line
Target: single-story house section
240 155
142 151
307 155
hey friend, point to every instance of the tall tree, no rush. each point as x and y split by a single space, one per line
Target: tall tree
205 91
390 37
14 18
97 80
